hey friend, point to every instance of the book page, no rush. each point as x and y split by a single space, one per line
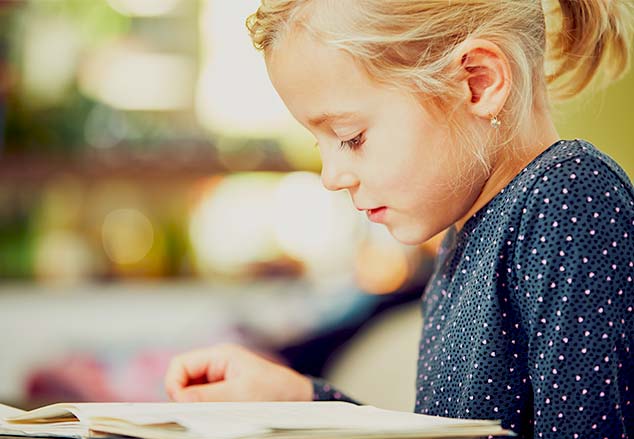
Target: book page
56 420
6 411
223 419
51 413
234 420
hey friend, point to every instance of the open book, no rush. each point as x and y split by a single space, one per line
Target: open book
215 420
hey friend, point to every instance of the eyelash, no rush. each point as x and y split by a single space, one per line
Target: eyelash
352 144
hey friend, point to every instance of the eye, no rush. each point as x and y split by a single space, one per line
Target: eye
354 143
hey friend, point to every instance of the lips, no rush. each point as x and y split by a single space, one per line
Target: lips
369 209
377 215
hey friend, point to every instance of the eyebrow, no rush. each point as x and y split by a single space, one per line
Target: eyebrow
328 117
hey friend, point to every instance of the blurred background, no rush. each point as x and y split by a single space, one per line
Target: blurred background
155 196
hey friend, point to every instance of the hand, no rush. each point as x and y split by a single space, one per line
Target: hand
232 373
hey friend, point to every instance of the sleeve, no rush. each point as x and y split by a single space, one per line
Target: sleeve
322 391
573 265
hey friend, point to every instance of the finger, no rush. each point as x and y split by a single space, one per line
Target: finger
219 391
175 378
183 368
193 365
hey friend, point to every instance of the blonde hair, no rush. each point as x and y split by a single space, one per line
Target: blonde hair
414 44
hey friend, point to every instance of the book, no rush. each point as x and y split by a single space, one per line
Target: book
236 420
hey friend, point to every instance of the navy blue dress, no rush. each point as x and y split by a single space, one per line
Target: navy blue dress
528 317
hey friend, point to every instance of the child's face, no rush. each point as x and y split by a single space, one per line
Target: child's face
397 154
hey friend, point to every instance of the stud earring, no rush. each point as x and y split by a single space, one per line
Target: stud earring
495 122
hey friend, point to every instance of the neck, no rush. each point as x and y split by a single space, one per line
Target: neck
511 160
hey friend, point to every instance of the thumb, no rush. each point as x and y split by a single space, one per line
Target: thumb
219 391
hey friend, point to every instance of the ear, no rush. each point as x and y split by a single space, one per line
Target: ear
486 79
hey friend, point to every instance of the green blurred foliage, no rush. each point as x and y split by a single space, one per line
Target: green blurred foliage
50 130
59 128
16 240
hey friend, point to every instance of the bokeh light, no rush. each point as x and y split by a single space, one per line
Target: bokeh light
51 53
314 225
234 93
230 227
128 236
130 77
382 264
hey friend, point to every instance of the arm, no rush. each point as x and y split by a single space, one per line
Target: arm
574 262
233 373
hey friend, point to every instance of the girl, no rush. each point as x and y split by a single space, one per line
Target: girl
434 115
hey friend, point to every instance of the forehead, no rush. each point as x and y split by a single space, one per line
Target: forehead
312 77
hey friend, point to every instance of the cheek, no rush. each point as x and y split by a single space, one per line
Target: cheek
413 162
426 169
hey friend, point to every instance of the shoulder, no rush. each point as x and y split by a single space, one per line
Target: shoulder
574 243
575 177
577 221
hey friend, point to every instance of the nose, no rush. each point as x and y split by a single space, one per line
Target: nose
335 178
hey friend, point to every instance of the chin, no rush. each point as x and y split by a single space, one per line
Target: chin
410 235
